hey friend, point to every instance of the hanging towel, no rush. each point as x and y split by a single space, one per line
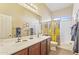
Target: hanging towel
76 40
73 32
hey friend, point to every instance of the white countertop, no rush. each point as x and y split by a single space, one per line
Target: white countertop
9 46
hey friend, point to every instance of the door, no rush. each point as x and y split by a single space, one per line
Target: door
5 26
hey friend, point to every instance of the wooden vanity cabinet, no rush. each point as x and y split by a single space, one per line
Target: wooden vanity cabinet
22 52
34 49
43 47
40 48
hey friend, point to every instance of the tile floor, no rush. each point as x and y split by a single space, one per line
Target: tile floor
60 51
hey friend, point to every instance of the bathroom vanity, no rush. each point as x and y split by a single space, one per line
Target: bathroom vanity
35 46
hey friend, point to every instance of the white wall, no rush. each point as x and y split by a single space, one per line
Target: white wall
75 9
65 34
5 26
44 12
63 12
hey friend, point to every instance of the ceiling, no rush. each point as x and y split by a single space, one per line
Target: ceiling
57 6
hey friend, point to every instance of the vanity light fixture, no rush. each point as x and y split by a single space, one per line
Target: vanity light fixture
30 6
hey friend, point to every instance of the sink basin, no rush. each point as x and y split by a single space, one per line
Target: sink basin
8 42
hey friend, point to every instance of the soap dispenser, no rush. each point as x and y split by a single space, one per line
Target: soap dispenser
18 33
31 33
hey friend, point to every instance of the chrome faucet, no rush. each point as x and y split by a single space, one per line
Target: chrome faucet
18 39
38 35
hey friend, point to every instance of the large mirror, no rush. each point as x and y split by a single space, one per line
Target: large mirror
16 20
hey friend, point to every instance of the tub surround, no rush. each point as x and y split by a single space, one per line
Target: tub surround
9 46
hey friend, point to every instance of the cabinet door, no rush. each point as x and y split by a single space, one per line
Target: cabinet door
48 45
22 52
35 49
43 47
